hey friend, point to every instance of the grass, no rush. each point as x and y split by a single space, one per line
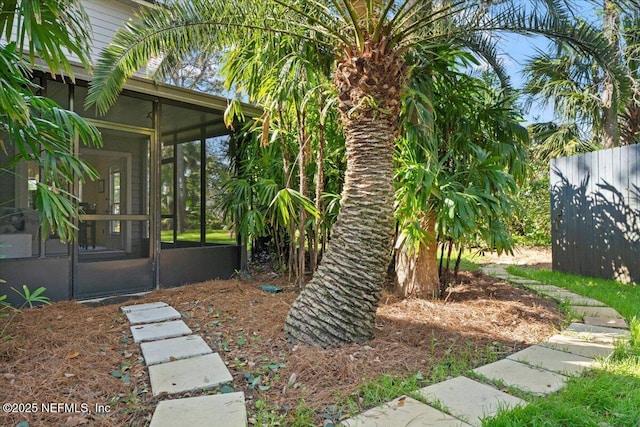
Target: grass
468 262
605 396
625 298
213 236
388 387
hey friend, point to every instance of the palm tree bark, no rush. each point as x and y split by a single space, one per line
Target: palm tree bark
610 132
417 273
339 304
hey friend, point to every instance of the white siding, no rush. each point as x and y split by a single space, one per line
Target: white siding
106 16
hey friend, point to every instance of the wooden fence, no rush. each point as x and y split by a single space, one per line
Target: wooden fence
595 214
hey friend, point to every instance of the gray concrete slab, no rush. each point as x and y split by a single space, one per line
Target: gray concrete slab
522 376
523 281
152 315
606 322
596 333
580 300
146 306
406 412
578 346
194 373
159 331
552 360
172 349
607 312
496 272
545 288
469 400
559 295
224 410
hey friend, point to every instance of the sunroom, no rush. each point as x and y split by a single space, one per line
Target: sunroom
151 219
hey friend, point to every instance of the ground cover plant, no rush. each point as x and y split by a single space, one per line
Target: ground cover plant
53 356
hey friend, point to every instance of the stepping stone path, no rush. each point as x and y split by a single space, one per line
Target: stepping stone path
539 369
179 361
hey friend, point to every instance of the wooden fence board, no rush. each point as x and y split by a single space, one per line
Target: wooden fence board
595 213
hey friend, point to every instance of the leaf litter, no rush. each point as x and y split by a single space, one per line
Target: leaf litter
482 318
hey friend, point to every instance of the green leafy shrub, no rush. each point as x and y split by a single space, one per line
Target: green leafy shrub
530 223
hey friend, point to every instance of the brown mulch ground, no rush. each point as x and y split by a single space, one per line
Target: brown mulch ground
74 354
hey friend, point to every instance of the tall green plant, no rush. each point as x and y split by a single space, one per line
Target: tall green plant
463 167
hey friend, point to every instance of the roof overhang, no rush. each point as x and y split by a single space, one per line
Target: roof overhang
175 93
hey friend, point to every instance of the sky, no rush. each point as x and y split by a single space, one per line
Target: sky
518 49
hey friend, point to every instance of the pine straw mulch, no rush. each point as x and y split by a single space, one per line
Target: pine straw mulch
67 352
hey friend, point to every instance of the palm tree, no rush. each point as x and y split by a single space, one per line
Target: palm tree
461 171
370 41
39 129
592 109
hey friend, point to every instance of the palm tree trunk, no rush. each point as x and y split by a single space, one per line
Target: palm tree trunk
339 304
610 131
417 273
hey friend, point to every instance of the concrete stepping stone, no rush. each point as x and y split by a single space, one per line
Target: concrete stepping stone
195 373
172 349
578 346
525 282
552 360
159 331
606 322
559 295
469 400
152 315
545 288
406 412
524 377
607 312
496 272
146 306
215 410
596 333
580 300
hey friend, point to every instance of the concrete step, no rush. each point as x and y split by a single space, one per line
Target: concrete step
596 333
159 331
172 349
544 288
578 346
140 307
559 295
522 376
224 410
552 360
606 322
525 282
195 373
152 315
606 312
404 411
468 400
580 300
